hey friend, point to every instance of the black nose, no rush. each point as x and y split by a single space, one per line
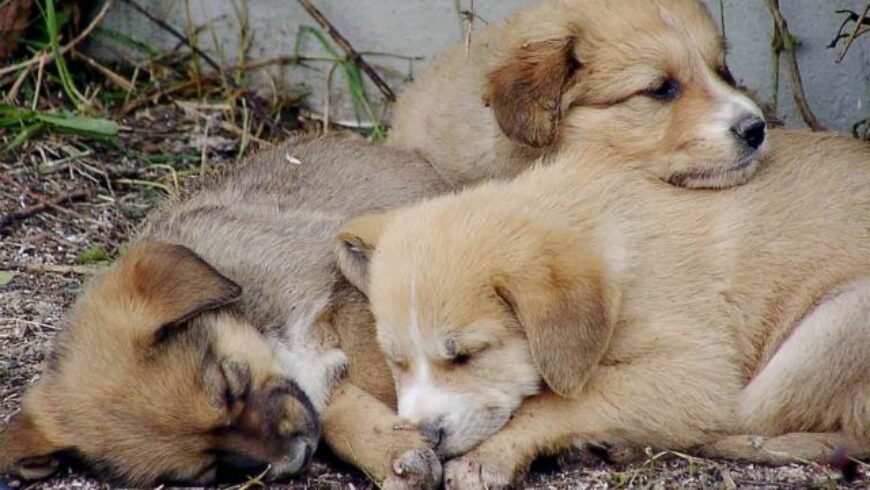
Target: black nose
238 467
432 431
750 130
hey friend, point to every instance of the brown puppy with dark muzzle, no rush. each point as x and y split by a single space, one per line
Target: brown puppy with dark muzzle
646 80
212 345
584 302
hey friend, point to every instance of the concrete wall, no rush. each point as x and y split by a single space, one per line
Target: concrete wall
838 93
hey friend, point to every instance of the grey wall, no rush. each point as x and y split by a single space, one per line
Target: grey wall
838 93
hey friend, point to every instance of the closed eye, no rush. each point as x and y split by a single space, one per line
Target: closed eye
398 364
237 379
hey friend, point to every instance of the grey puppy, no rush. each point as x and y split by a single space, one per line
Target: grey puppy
219 341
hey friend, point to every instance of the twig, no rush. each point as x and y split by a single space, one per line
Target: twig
171 30
860 28
254 481
118 80
47 57
467 23
154 96
233 128
39 72
144 183
722 26
327 98
203 158
352 54
7 320
794 73
16 87
83 270
54 203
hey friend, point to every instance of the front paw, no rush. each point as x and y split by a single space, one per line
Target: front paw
473 472
414 469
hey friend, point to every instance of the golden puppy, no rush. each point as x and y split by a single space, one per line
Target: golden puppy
597 304
642 79
210 348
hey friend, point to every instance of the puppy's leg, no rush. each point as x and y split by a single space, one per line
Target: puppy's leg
669 407
784 449
819 379
366 433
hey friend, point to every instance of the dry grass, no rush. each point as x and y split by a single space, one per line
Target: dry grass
78 196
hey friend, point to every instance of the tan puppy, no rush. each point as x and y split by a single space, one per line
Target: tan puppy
211 347
646 80
601 305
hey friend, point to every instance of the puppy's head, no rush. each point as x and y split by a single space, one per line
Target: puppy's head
646 79
156 379
471 327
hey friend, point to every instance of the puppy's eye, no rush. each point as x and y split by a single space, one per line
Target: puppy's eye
460 359
667 90
725 74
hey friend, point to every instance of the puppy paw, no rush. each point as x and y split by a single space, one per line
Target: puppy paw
414 469
468 472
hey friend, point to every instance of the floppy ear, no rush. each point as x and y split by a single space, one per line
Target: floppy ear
564 308
26 451
355 245
175 283
525 93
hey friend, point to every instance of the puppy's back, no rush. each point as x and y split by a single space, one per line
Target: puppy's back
269 224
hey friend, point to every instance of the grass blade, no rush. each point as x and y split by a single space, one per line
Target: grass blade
88 125
24 135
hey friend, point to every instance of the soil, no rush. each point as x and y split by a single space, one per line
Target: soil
45 258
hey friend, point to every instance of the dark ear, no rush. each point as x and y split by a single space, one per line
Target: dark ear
355 245
26 451
564 308
174 283
525 93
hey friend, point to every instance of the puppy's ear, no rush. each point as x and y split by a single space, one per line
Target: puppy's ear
356 243
526 92
26 450
562 303
175 284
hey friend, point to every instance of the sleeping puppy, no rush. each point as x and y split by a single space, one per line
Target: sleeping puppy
646 80
588 302
210 348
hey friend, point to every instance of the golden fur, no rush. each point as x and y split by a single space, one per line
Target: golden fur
598 304
591 74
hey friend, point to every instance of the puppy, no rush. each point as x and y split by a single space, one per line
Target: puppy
210 348
647 80
589 302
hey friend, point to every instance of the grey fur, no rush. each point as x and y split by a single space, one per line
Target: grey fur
270 224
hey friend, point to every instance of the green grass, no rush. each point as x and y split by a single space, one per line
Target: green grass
94 255
353 74
26 123
53 25
125 40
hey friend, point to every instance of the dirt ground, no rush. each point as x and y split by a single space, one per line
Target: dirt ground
45 257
